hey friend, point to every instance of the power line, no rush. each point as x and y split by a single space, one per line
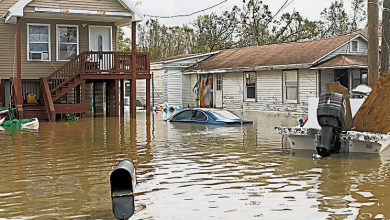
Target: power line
284 6
187 15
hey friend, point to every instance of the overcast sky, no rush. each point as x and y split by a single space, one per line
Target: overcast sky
308 8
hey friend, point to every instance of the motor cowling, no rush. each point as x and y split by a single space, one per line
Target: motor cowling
331 113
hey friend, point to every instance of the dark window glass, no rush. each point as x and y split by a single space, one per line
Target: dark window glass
354 47
199 116
183 116
250 85
251 92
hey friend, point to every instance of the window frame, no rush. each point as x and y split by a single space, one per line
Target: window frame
363 72
246 99
57 40
284 87
28 41
357 46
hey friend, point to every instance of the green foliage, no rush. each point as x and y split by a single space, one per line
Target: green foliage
251 25
71 118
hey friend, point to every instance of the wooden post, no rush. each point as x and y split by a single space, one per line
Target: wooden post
148 105
117 98
133 93
385 38
18 81
373 42
83 95
122 101
2 93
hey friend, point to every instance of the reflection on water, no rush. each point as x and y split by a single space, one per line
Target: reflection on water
184 171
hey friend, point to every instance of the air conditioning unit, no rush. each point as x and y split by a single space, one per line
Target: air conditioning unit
36 55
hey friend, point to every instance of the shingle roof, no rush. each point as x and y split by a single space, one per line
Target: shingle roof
306 52
344 61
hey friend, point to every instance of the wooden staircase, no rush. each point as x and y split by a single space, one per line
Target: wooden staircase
59 83
74 73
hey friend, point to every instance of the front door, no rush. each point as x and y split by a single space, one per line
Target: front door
218 90
100 38
206 91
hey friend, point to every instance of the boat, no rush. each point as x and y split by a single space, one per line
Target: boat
312 136
33 125
3 115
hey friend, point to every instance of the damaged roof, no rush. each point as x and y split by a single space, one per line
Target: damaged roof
296 53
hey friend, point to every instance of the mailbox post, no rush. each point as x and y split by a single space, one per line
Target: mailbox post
123 181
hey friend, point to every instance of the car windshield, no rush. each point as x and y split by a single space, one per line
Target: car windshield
223 115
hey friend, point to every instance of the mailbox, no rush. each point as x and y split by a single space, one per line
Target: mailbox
123 181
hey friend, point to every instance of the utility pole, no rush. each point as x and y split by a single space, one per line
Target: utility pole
373 42
385 59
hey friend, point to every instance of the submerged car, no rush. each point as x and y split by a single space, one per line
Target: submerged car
208 116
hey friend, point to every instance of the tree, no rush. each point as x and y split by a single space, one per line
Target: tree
293 27
215 32
123 43
334 20
254 20
359 13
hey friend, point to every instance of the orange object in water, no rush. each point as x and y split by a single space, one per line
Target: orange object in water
31 99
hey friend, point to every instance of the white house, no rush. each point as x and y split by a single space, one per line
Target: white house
278 77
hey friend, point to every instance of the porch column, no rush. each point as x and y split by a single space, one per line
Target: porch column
117 98
148 110
133 94
18 80
2 93
122 91
83 96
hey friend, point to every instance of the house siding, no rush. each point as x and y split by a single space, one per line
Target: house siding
175 88
189 97
158 89
5 5
37 69
327 76
106 5
308 85
269 91
345 50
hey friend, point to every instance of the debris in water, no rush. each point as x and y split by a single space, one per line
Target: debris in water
316 157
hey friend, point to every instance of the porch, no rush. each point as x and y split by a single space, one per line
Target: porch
77 85
71 57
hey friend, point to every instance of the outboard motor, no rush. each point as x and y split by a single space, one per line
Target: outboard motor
331 113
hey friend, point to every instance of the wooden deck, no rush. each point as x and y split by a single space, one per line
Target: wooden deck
110 67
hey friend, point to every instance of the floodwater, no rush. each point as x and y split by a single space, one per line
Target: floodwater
185 172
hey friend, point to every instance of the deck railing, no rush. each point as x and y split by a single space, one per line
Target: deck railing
99 63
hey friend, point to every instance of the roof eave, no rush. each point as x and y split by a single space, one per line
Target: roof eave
130 6
341 67
16 10
186 58
258 68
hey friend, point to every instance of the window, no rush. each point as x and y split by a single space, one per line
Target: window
38 42
354 46
199 116
184 116
219 82
359 77
290 84
67 42
250 85
364 76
